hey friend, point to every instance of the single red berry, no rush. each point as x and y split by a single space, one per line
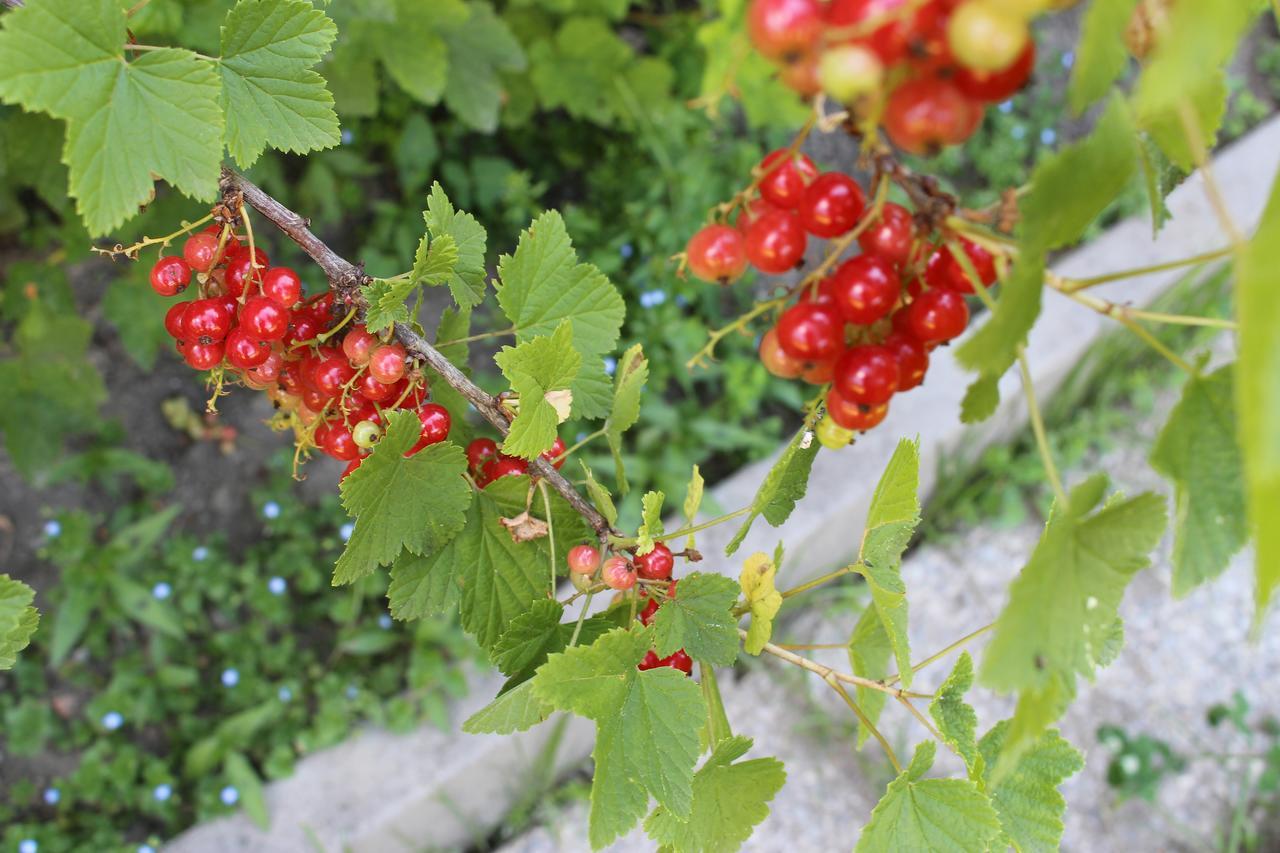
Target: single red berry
867 375
371 389
938 315
866 288
657 564
992 86
646 615
583 559
206 321
801 75
334 438
554 452
435 425
268 371
203 356
282 286
924 115
854 416
264 319
321 307
505 466
302 327
775 358
358 344
776 241
784 29
823 294
717 253
891 235
618 574
681 661
479 452
170 275
889 40
820 372
238 269
912 357
751 211
291 377
173 320
650 661
351 466
314 400
810 333
945 272
330 374
200 250
386 363
831 205
244 352
784 176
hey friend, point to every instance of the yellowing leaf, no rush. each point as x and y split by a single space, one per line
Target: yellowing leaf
757 581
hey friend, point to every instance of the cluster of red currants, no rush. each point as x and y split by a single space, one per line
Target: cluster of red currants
486 461
252 322
620 573
926 68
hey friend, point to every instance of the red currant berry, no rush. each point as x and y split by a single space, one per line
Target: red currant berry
200 250
554 452
170 275
282 286
867 375
302 328
238 270
657 564
618 574
335 439
850 72
800 75
358 344
938 315
854 416
775 358
268 371
992 86
717 253
386 363
866 289
314 400
784 176
945 272
203 356
244 352
891 235
831 205
810 333
822 295
505 466
924 115
321 307
435 425
751 211
820 372
371 389
650 661
173 320
351 466
264 319
912 358
681 661
784 29
583 560
479 453
330 374
206 321
889 41
775 242
291 377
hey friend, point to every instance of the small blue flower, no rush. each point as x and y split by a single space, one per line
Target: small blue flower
1006 106
1068 59
146 848
284 694
652 298
682 300
270 510
384 621
52 530
352 691
1048 136
626 250
229 795
112 720
161 591
162 792
347 137
52 795
200 554
277 586
230 677
1017 131
346 530
610 364
28 845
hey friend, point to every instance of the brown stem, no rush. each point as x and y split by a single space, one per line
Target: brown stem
346 278
12 4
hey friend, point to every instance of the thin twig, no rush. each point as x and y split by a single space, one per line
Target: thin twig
941 653
1037 427
1072 285
823 671
865 720
12 4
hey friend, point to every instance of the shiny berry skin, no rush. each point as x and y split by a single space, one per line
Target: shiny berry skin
617 574
891 235
646 615
784 177
358 344
371 389
750 212
823 294
853 416
912 357
679 660
268 371
291 377
366 434
784 29
650 661
204 356
435 425
282 286
993 86
867 375
480 451
849 72
264 319
200 250
170 275
583 560
945 272
831 435
351 466
889 41
329 374
937 315
302 328
244 352
173 320
314 400
924 115
335 439
717 253
866 289
206 321
810 333
775 358
820 372
984 37
657 564
238 271
831 205
553 453
775 242
505 466
386 363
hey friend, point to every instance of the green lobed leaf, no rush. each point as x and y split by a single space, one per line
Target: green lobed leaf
514 711
270 95
1101 55
579 67
956 719
1206 107
700 620
435 260
420 586
1027 800
1160 176
783 486
478 50
628 381
869 654
386 301
729 800
467 279
650 521
1197 451
417 503
761 594
540 370
413 48
18 619
930 814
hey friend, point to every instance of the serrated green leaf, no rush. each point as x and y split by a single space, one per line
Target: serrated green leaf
647 727
413 48
762 597
577 69
467 278
66 58
650 522
1205 107
783 486
1161 176
18 619
628 381
955 717
417 503
420 586
270 95
599 495
543 284
478 50
514 711
1197 451
930 814
435 260
1064 602
980 399
729 800
386 304
869 654
700 620
541 371
1101 55
538 633
241 774
1027 800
